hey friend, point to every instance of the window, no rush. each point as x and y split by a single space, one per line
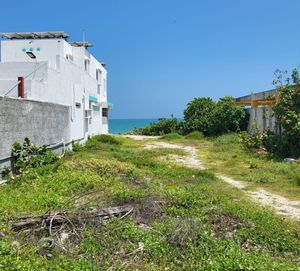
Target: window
98 75
98 88
105 112
87 65
104 88
69 57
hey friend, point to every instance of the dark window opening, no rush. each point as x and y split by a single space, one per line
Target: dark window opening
104 112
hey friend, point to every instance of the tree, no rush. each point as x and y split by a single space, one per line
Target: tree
198 115
287 113
228 117
215 118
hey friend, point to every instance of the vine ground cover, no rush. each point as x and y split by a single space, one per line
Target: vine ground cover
185 218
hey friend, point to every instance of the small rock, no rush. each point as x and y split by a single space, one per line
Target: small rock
46 242
15 244
63 237
49 256
2 235
3 182
289 160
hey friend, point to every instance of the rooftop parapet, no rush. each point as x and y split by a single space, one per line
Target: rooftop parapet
35 35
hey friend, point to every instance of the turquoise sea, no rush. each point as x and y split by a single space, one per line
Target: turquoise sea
117 126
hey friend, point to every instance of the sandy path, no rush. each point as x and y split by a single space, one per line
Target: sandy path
281 205
191 160
139 137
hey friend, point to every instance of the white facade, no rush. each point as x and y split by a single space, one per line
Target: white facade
62 74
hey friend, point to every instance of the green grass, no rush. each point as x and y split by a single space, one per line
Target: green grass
227 156
196 135
172 136
184 219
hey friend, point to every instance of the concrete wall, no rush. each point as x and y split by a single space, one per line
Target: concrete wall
261 118
43 123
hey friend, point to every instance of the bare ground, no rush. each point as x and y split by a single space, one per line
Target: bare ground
139 137
281 205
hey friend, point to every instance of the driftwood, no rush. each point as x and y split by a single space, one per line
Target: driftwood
52 220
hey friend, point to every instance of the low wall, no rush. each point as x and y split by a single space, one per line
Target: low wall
43 123
261 118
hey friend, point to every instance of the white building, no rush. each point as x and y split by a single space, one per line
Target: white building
57 71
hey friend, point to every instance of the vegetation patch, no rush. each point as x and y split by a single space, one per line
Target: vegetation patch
195 135
171 218
172 136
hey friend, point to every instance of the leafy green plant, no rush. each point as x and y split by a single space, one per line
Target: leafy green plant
202 115
228 117
27 155
287 113
162 127
108 139
5 172
76 147
196 135
286 142
198 115
172 136
251 141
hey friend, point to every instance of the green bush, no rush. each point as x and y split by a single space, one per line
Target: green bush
228 117
27 155
215 118
202 115
251 141
172 136
76 147
108 139
162 127
95 142
196 135
287 113
198 115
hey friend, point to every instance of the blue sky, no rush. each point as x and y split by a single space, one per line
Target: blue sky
161 54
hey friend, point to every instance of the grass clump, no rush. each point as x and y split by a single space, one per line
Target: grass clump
172 136
108 139
227 155
196 135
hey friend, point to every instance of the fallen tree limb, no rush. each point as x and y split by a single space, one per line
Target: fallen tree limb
75 217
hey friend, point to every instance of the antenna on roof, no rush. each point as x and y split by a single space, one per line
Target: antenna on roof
83 35
82 43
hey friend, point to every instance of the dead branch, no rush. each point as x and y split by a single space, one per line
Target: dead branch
75 217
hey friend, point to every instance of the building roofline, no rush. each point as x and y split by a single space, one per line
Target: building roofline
85 44
35 35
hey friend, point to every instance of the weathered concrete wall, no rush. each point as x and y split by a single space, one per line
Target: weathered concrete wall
43 123
261 118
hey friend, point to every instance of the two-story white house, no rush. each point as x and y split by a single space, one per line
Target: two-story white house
57 71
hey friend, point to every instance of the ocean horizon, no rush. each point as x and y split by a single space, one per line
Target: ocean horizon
120 126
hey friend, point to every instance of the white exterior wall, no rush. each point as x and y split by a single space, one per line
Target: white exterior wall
58 80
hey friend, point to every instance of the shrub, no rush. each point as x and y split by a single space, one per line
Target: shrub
198 115
95 142
228 117
215 118
172 136
108 139
76 147
162 127
27 155
5 172
287 113
196 135
251 141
